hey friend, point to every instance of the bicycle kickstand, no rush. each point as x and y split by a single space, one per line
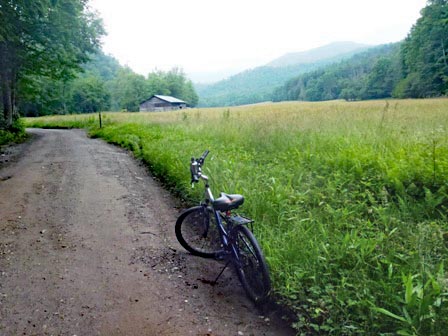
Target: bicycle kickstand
222 271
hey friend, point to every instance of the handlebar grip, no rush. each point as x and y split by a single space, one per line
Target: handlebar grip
204 155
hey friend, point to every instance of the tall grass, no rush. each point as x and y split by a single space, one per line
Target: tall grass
350 200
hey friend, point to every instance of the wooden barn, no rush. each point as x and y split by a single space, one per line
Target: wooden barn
158 103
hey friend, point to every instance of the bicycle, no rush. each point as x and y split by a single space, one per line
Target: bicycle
210 230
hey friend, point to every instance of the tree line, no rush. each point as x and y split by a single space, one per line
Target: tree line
42 39
368 75
414 68
51 62
105 85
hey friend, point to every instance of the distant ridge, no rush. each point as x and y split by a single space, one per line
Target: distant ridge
258 84
332 50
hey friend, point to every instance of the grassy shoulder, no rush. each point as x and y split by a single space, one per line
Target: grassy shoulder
14 135
350 199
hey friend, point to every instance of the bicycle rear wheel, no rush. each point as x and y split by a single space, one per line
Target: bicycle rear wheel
250 265
197 231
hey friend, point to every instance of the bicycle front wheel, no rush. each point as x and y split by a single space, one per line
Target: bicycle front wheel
197 231
250 265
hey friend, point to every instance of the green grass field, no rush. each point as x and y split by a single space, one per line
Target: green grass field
350 199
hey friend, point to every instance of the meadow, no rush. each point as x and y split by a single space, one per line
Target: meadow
350 199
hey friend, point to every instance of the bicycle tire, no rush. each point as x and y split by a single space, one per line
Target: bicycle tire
250 265
197 232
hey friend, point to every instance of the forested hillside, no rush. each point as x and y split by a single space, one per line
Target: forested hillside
250 86
424 54
414 68
371 74
256 85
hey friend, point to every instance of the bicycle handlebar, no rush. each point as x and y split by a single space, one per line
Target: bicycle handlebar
195 167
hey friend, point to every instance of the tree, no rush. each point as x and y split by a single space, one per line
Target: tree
128 89
89 95
174 83
381 80
102 66
368 75
425 54
43 96
157 84
43 38
189 94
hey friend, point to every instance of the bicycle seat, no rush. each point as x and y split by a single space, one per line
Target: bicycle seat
228 202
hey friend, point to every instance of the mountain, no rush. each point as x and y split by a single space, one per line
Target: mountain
250 86
371 74
329 51
257 84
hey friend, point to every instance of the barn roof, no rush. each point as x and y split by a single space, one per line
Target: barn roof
169 99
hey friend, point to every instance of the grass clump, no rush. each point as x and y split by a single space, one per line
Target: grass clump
13 134
350 200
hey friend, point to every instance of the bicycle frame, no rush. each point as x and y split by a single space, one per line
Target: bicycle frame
223 231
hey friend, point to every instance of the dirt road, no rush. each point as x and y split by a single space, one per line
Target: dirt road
87 248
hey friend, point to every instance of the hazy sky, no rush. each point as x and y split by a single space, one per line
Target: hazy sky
219 37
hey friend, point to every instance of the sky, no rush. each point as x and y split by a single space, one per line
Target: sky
212 39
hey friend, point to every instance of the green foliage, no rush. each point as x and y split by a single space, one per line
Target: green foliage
13 134
257 85
250 86
102 66
371 74
128 89
103 85
424 301
43 38
415 68
425 54
173 83
44 45
381 80
350 200
88 94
